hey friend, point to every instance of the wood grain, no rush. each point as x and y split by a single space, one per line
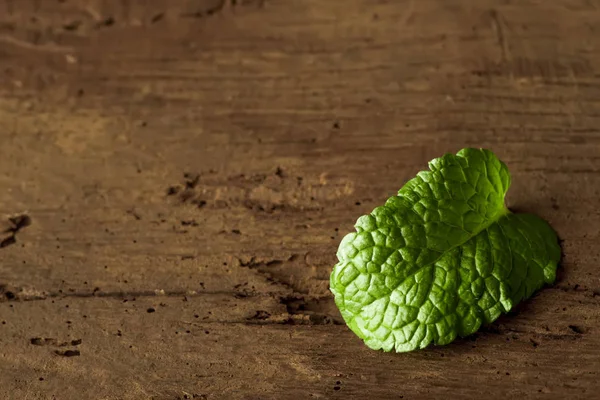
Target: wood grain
189 168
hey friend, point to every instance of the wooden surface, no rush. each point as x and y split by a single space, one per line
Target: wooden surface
188 169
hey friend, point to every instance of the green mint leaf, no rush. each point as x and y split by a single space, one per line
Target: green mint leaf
442 257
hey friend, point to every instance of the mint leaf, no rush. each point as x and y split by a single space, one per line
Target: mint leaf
442 257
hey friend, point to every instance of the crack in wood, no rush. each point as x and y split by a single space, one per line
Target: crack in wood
497 26
301 307
16 224
21 294
208 11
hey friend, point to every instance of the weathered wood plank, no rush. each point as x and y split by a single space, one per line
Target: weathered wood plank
205 158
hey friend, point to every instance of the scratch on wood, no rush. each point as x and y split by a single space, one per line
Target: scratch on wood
47 48
410 10
498 27
96 16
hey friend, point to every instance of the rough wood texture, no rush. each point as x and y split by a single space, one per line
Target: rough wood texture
189 168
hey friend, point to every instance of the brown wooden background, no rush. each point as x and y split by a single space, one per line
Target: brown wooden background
188 169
